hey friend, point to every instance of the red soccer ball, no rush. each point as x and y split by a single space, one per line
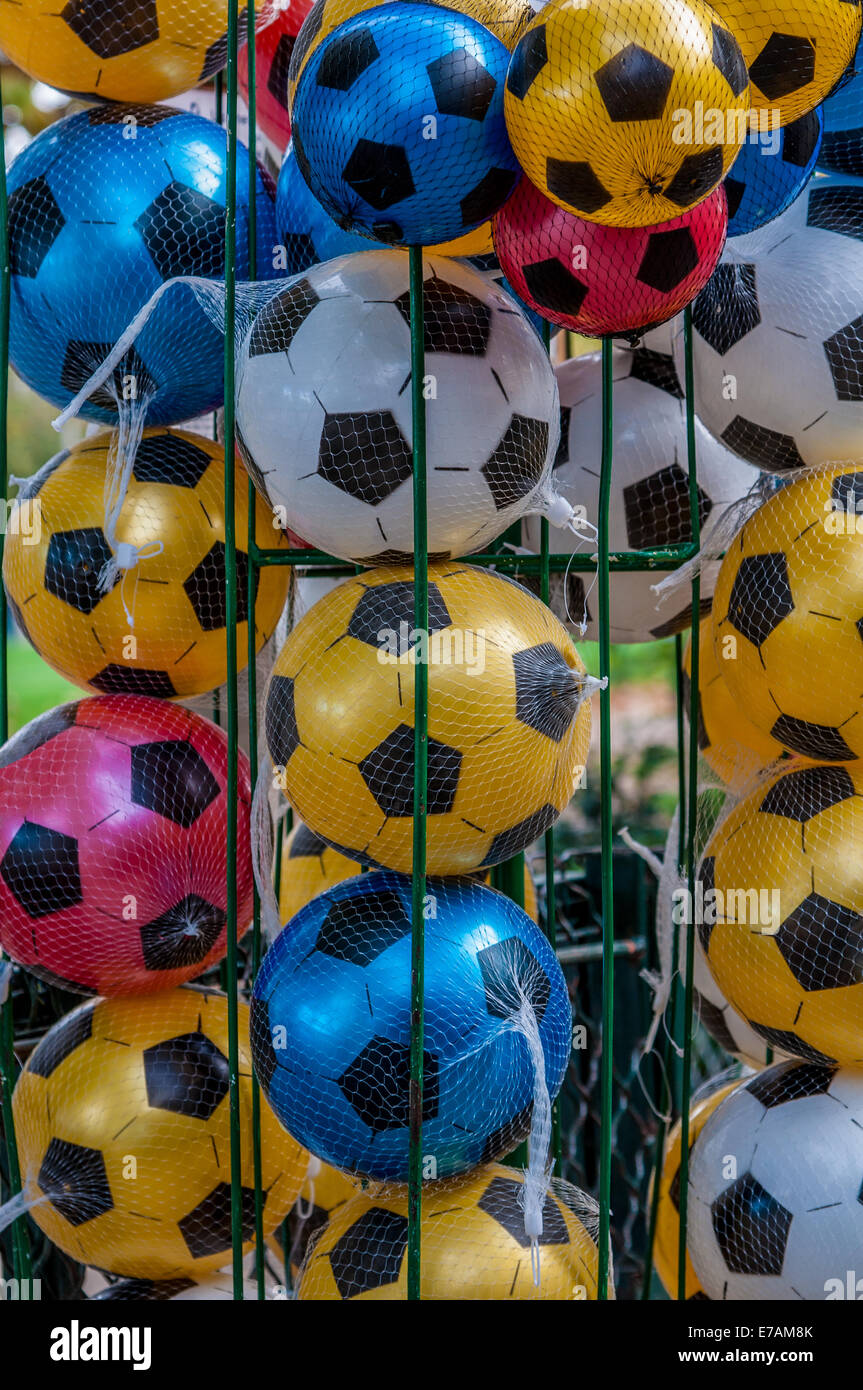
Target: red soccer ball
113 854
606 281
273 48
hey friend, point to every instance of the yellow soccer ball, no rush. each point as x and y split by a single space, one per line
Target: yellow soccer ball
174 510
727 740
325 1192
783 929
122 1119
665 1248
310 866
508 727
795 52
473 1245
787 614
120 52
628 112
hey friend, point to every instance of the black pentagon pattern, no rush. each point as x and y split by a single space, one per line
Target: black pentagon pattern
801 795
836 209
697 175
785 64
504 1139
461 85
40 868
657 509
562 455
82 359
751 1228
345 58
61 1041
547 691
277 77
574 182
35 222
364 454
184 232
281 721
345 933
844 351
760 596
727 309
184 935
455 321
73 565
279 322
734 191
790 1081
818 741
553 286
487 197
515 466
388 772
501 1201
510 842
116 679
379 174
387 606
782 1040
37 733
768 448
261 1034
800 140
846 493
305 844
369 1255
207 1228
216 57
712 1018
96 24
511 974
167 458
173 780
729 60
207 592
75 1181
634 84
377 1085
656 369
186 1075
528 61
707 877
668 258
822 944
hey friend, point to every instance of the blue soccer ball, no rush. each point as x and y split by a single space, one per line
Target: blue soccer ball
842 146
104 207
331 1024
398 125
772 170
308 233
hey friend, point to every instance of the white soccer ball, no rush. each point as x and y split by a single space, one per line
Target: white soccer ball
324 408
649 488
778 335
775 1177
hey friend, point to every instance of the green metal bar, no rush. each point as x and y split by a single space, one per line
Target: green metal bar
692 817
607 872
550 905
421 619
232 724
634 561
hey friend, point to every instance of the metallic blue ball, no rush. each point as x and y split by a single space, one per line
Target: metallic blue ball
772 170
331 1024
104 207
398 125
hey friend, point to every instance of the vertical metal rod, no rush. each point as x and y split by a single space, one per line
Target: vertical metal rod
607 871
421 613
232 725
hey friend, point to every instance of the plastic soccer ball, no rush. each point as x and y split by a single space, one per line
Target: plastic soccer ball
325 1191
122 1119
842 146
273 50
786 616
602 281
473 1245
603 103
113 815
398 124
787 1223
98 220
795 53
784 936
345 480
665 1249
778 352
331 1018
118 51
507 689
160 627
649 487
770 172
